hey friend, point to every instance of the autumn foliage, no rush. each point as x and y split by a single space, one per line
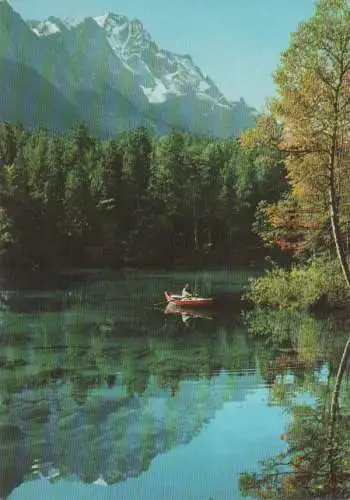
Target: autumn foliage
309 123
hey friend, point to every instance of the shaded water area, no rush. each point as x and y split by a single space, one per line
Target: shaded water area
103 395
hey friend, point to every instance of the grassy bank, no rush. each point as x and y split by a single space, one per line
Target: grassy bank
317 284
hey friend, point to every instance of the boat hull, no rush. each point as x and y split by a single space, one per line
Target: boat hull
177 300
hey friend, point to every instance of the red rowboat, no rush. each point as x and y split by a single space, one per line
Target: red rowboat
177 300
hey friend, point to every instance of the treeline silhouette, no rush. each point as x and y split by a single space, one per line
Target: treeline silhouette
75 199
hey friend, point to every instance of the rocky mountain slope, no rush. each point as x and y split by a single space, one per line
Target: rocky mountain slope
109 72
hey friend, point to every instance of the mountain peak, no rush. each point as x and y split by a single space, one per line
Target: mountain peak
110 18
118 66
137 25
46 28
114 24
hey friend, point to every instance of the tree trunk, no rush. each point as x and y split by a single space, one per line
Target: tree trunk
195 222
210 238
332 446
336 233
336 391
195 235
339 247
334 216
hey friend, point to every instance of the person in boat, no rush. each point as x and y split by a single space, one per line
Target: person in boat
186 292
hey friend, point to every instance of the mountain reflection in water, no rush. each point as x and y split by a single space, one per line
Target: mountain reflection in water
109 394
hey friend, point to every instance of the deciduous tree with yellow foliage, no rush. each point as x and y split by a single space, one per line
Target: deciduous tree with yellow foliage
312 108
310 121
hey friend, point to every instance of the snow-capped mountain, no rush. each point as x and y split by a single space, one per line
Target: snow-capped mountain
116 77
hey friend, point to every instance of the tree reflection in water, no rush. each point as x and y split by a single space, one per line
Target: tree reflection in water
316 463
108 376
87 401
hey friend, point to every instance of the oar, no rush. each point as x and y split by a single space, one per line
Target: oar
158 304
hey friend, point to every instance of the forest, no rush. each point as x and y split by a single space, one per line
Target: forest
74 199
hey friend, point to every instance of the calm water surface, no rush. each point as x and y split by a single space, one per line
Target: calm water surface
104 396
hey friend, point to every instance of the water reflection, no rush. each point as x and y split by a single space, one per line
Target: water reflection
316 462
97 391
188 315
313 466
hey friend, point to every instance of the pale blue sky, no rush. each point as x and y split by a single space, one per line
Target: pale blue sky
236 42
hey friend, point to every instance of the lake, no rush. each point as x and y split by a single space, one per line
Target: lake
103 395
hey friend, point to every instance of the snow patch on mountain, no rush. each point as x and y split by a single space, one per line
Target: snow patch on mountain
158 73
111 66
161 74
158 93
46 28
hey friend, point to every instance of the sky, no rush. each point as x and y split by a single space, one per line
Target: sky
237 43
